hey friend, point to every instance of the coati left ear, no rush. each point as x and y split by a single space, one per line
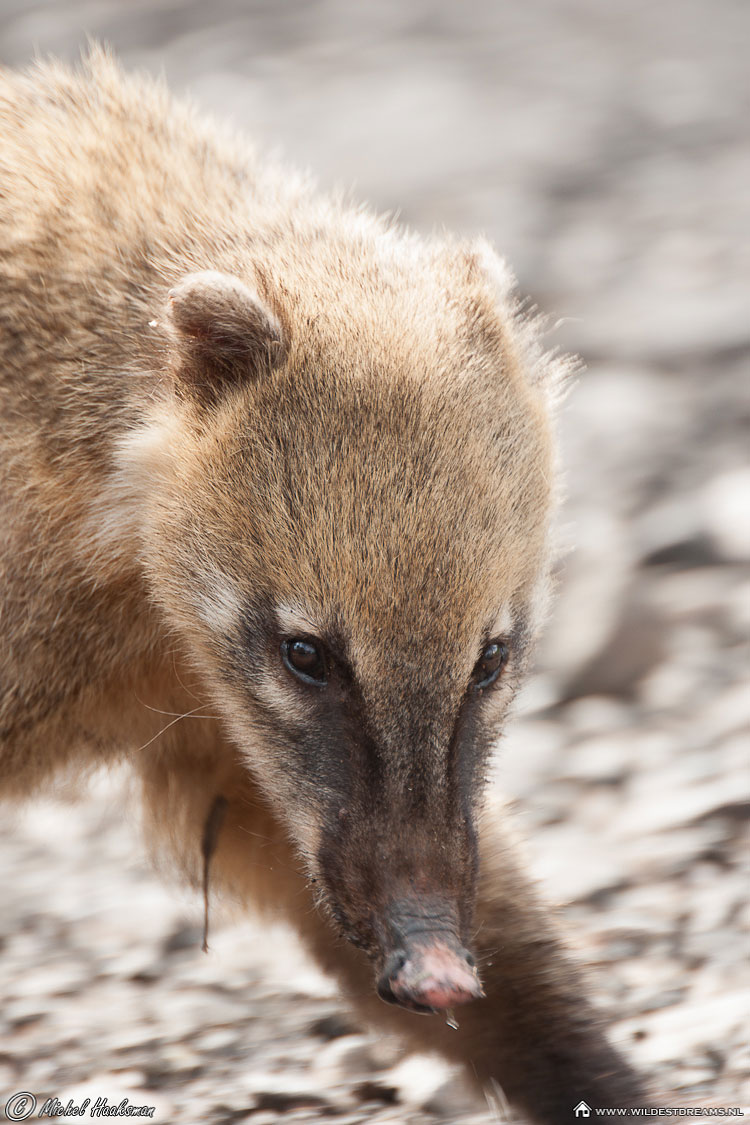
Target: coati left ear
222 334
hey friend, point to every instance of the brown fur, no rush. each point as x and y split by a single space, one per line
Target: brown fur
230 402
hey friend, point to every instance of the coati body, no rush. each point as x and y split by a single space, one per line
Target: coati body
276 488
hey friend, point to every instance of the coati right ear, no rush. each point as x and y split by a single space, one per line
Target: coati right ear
548 370
222 334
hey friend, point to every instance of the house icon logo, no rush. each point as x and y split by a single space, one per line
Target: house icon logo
582 1110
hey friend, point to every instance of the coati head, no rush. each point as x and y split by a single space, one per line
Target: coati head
350 531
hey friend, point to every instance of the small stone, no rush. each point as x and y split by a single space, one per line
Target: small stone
451 1100
725 505
686 804
282 1101
594 714
726 713
348 1055
221 1040
572 869
333 1026
684 1031
418 1078
183 939
603 760
376 1092
591 594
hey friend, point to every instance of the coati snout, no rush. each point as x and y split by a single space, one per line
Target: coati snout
398 853
403 889
429 970
395 750
429 978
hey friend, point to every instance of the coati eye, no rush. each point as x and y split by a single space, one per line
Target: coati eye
305 659
490 664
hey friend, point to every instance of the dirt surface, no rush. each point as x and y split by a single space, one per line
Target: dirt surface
603 147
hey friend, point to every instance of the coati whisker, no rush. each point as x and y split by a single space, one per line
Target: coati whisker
176 714
178 677
164 729
211 830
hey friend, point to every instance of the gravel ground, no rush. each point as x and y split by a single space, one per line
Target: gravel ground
604 148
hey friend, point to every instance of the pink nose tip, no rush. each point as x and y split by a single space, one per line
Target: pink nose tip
433 977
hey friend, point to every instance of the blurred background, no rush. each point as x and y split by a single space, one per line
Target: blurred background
604 147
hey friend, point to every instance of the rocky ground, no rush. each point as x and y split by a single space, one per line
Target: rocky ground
603 147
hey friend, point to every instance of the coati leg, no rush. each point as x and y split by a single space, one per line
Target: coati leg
535 1033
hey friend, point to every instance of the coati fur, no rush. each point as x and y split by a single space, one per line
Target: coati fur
273 462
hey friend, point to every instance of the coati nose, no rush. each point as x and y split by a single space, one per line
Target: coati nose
429 978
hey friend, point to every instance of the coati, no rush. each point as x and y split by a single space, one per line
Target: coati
271 461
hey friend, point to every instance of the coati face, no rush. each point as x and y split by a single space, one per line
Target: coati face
351 536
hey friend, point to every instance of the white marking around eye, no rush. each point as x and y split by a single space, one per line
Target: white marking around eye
295 620
281 697
220 606
502 626
117 513
144 450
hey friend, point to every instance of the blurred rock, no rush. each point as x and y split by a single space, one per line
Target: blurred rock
418 1078
597 714
598 760
675 532
333 1026
576 868
634 646
687 1030
726 504
590 598
451 1101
